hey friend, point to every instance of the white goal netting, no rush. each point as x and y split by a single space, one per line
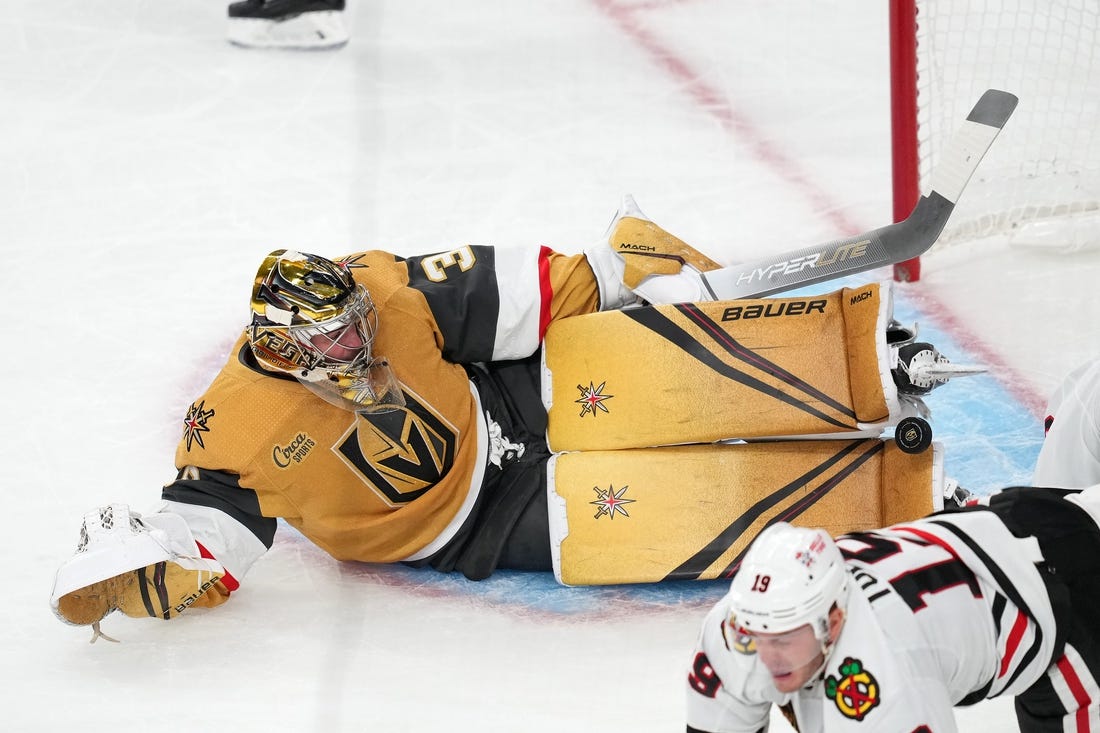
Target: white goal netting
1040 183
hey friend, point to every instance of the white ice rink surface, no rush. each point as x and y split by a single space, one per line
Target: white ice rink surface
146 167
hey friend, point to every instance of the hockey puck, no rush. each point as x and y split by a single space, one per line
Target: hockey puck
913 435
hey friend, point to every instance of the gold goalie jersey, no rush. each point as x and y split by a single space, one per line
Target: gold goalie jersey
379 487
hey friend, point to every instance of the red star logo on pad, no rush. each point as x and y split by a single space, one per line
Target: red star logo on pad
592 398
610 502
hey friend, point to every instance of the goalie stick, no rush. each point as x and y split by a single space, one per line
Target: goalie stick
886 245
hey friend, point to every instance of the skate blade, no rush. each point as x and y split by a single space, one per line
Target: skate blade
944 370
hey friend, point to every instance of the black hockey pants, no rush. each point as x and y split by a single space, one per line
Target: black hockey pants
508 528
1066 697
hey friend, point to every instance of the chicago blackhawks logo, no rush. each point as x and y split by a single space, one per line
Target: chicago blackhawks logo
593 398
194 424
736 638
610 502
855 690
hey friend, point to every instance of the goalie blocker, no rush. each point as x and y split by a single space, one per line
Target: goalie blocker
689 512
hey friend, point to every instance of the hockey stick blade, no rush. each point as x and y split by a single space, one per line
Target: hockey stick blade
886 245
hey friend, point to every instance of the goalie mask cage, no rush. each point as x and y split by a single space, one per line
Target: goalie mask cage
1040 184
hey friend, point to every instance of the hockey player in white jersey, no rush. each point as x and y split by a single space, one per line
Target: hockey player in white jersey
1070 455
888 630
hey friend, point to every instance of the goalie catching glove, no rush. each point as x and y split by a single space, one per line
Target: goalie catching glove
639 261
142 566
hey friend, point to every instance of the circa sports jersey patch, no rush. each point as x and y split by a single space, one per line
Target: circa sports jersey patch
592 398
401 453
610 501
293 451
195 424
855 690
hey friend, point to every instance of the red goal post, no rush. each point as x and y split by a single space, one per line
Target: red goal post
1040 184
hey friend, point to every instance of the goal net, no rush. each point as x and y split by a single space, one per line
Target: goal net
1040 183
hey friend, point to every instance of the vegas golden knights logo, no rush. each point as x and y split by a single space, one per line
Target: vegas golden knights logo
401 453
592 398
611 501
196 423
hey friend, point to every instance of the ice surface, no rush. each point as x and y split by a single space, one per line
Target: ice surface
146 168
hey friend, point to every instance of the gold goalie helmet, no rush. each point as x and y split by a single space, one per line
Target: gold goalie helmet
310 319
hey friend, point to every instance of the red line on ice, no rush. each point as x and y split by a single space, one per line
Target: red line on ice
717 104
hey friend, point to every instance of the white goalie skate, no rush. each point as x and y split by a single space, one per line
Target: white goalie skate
920 368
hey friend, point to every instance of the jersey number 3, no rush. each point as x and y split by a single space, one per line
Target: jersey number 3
435 267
